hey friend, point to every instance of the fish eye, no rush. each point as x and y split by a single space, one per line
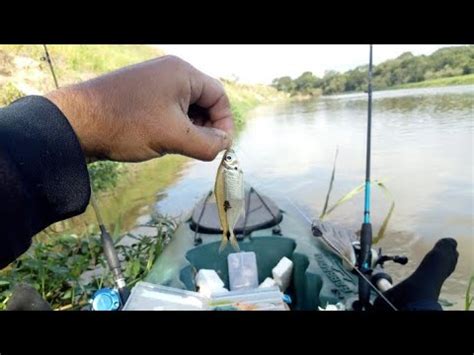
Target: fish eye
228 157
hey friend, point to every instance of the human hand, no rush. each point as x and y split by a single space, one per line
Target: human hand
146 110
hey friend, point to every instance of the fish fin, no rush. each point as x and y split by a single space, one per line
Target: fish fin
233 242
224 242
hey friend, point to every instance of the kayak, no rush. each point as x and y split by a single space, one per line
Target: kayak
320 277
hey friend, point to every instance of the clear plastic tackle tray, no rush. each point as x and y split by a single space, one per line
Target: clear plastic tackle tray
147 296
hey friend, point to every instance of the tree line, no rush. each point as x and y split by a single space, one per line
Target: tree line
407 68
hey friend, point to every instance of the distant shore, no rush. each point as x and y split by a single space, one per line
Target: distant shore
453 80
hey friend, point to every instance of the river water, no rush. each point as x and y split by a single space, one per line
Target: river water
422 150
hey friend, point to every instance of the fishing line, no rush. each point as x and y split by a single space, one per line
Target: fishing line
344 257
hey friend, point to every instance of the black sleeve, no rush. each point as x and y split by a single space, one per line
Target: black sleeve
43 173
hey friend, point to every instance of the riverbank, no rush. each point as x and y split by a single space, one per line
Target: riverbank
451 81
245 97
436 83
70 248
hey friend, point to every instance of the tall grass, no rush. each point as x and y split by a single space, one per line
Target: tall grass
9 93
351 194
244 97
97 59
469 296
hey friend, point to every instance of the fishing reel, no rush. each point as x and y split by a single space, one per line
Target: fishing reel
376 257
354 256
402 260
376 274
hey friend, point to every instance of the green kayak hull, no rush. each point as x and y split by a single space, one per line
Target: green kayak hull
319 276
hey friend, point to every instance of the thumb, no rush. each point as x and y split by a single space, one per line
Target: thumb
204 143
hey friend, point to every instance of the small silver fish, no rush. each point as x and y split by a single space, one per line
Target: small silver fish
230 197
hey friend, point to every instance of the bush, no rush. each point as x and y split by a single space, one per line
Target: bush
54 268
9 93
105 174
6 63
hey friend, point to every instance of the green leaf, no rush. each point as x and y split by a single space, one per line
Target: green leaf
67 294
333 175
352 194
58 269
344 199
469 297
133 269
382 229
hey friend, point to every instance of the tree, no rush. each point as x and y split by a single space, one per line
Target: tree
406 68
306 83
284 83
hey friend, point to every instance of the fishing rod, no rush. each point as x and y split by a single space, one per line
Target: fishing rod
110 253
366 231
107 243
50 63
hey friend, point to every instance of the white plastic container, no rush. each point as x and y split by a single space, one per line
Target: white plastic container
209 282
147 296
282 273
243 272
269 298
268 282
208 292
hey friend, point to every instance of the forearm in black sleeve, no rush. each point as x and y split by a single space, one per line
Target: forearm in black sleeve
43 173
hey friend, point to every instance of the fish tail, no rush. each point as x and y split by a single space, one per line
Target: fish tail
233 242
225 240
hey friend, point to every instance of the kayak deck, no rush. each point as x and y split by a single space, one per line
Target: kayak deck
319 277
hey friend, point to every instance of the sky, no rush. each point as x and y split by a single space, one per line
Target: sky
262 63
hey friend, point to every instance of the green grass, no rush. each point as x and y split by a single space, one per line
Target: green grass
76 61
9 93
99 58
469 296
244 98
454 80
